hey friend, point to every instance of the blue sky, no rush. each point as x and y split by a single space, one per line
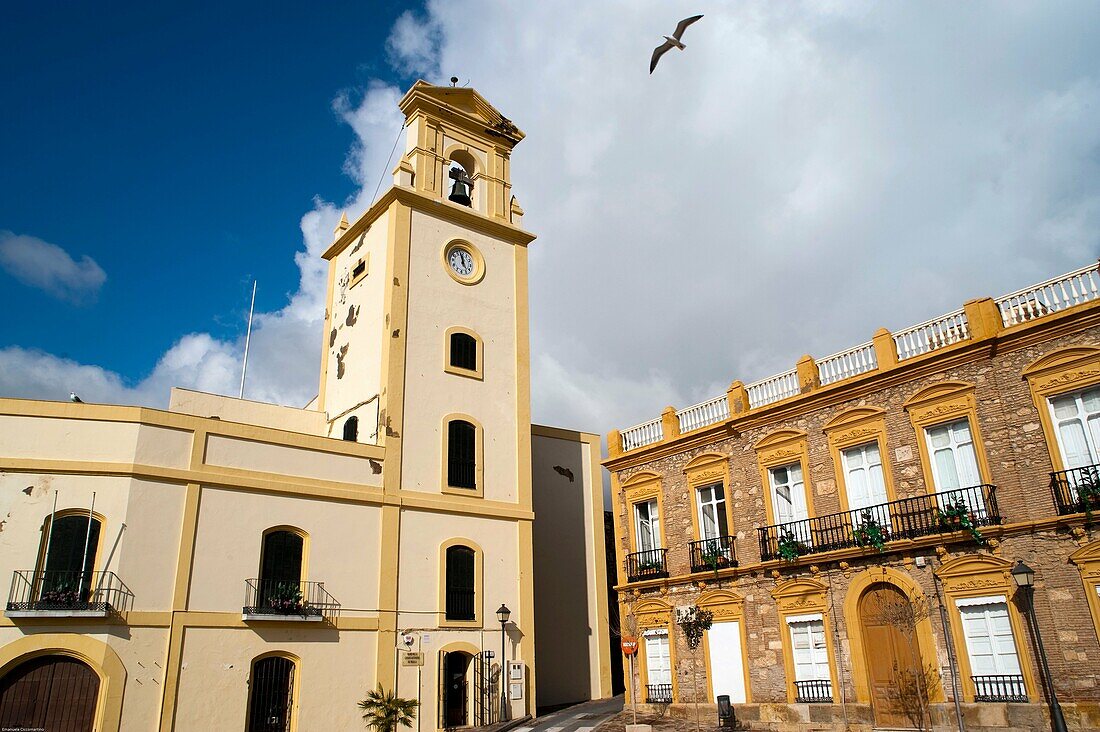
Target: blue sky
801 175
178 146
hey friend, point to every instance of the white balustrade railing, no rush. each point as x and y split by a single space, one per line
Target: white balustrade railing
1051 296
852 362
642 434
773 388
932 334
703 413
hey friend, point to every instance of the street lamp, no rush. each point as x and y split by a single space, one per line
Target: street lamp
1024 577
503 613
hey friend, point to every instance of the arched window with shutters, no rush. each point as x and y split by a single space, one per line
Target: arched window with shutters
282 564
271 694
462 455
460 582
67 557
464 353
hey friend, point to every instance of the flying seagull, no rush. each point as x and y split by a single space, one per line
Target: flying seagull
74 398
671 42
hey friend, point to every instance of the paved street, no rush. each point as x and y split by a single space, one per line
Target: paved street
578 718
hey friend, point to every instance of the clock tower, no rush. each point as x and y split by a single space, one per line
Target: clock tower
426 353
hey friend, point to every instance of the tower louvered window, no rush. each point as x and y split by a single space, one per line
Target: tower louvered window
461 455
460 583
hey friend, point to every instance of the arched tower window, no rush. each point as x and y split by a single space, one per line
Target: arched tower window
460 583
351 429
271 694
461 171
280 583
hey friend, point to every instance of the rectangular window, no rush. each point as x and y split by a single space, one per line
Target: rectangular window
811 655
863 477
988 633
789 500
1077 424
647 526
658 663
954 462
712 511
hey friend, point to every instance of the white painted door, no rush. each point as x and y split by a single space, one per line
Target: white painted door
989 641
727 662
658 666
863 479
789 499
1077 421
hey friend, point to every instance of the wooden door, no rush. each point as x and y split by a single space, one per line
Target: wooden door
455 699
894 667
49 693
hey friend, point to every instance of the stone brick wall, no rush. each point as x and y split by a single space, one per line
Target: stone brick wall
1019 462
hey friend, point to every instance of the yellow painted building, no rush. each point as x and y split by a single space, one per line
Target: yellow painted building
230 565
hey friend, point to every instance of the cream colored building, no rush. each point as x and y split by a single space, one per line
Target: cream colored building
256 567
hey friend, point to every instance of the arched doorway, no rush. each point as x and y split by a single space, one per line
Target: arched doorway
271 695
49 693
454 710
899 683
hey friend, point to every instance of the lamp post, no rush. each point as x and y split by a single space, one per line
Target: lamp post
503 613
1024 577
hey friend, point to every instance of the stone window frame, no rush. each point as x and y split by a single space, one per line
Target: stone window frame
705 470
1059 372
654 614
479 594
852 428
639 488
776 449
980 575
727 606
1087 561
947 401
804 596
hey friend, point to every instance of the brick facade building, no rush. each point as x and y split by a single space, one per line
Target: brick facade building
852 525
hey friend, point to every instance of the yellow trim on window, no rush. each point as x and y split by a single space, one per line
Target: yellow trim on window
779 448
478 490
1060 372
804 596
727 607
478 371
640 488
948 401
479 563
852 428
303 573
1087 560
296 683
705 470
654 615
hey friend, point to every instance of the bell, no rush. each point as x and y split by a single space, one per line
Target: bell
460 189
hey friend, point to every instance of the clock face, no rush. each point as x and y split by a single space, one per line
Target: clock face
461 261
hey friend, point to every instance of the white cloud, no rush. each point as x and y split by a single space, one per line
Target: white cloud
50 268
798 177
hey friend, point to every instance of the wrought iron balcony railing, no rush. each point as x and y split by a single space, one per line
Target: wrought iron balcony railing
1008 688
813 691
658 693
271 599
711 555
58 592
908 518
1076 490
646 565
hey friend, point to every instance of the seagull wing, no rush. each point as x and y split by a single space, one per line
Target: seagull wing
683 24
657 53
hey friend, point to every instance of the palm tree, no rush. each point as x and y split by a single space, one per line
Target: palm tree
384 712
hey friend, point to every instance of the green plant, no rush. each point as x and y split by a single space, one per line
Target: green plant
384 711
1088 493
790 548
957 515
286 597
870 532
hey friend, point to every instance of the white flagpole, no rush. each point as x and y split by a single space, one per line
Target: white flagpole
87 540
247 337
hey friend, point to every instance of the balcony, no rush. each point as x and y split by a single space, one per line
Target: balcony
999 689
288 600
646 565
908 518
658 694
1076 490
66 594
813 691
711 555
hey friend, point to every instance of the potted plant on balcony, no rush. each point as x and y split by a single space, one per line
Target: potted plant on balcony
1088 492
955 516
714 556
61 596
789 548
870 532
286 598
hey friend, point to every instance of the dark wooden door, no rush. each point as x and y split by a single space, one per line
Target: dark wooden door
49 693
893 659
455 696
